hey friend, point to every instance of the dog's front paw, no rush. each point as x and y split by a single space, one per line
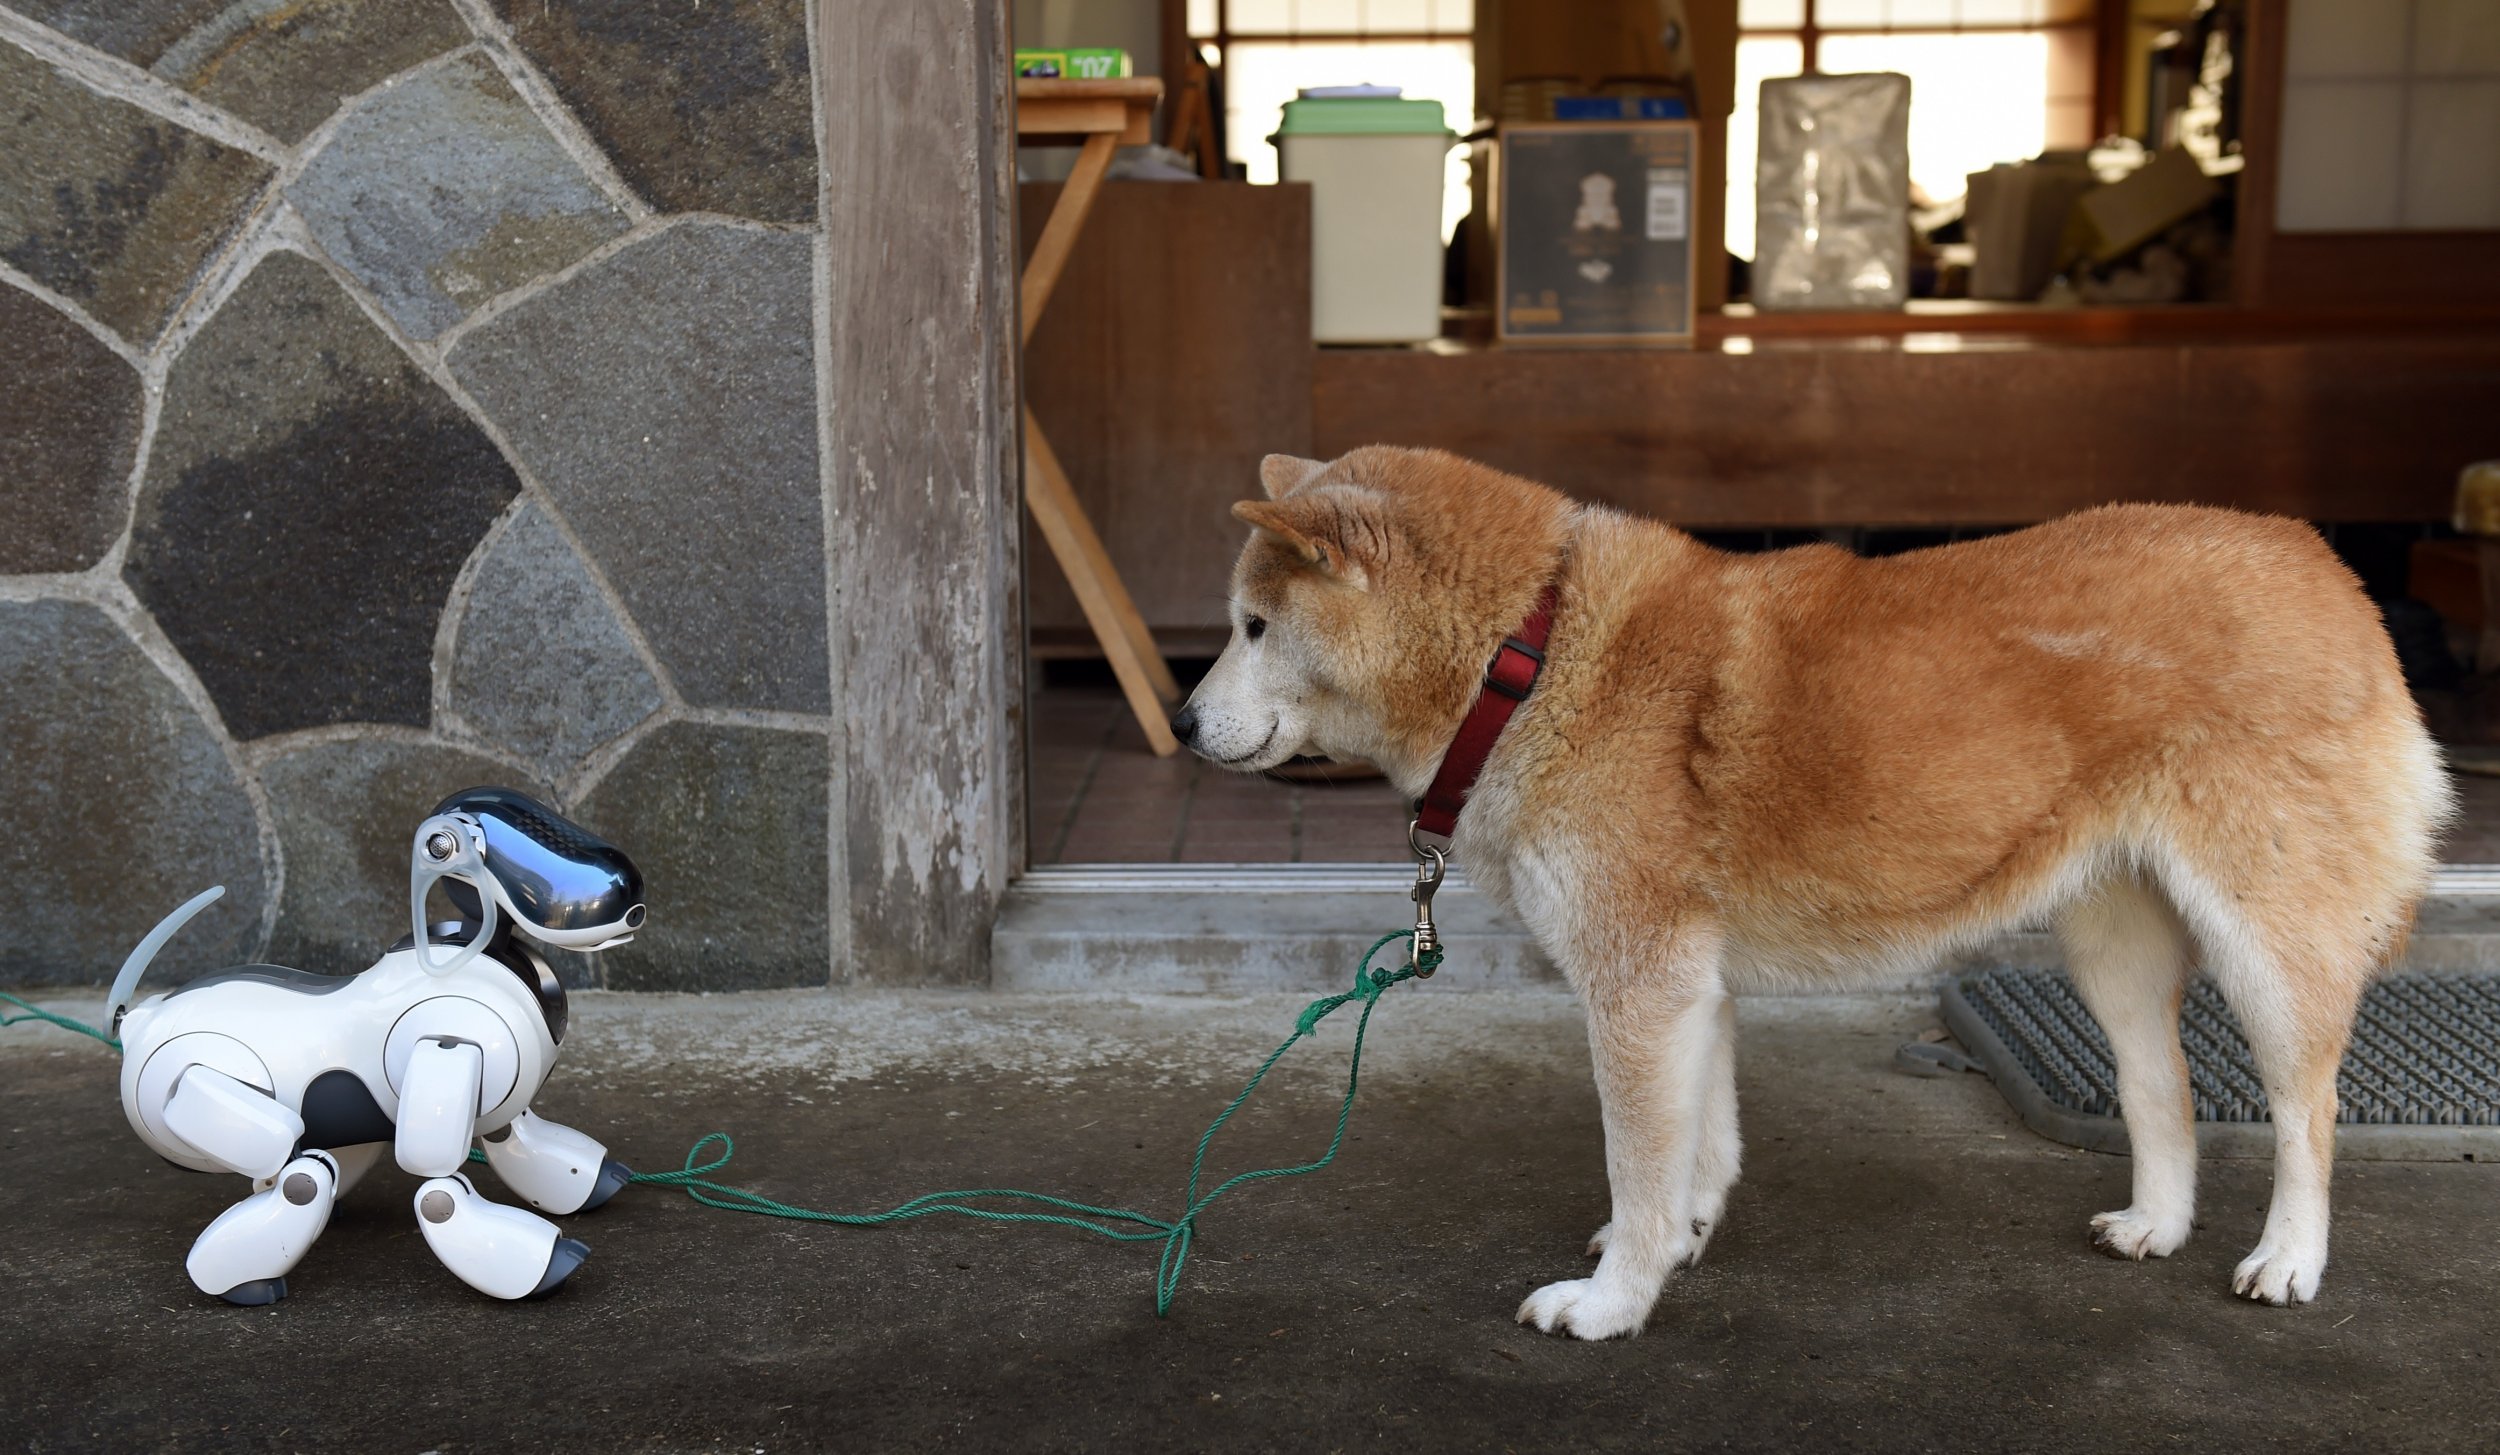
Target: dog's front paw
1583 1308
2135 1234
2277 1276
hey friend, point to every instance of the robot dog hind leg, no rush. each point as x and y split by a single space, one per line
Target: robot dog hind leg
244 1256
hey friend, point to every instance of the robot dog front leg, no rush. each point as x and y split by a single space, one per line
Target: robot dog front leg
500 1251
245 1255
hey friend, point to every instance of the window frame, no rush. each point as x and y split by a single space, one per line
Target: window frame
2099 30
1810 32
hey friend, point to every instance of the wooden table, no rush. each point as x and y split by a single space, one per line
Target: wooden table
1103 116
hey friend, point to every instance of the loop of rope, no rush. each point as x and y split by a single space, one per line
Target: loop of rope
1120 1225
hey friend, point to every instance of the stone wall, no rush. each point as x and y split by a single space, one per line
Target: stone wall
398 395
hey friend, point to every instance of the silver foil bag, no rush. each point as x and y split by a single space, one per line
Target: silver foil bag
1832 193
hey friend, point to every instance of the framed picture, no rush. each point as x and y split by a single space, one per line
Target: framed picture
1595 227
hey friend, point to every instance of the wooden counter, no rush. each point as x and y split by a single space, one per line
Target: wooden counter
1946 427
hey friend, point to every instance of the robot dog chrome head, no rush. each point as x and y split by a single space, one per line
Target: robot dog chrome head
560 884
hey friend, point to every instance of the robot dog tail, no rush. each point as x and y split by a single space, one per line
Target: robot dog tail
126 984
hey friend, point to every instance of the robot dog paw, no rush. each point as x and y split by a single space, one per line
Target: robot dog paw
255 1294
613 1176
568 1255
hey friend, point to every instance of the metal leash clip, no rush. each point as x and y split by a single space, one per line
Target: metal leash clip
1431 867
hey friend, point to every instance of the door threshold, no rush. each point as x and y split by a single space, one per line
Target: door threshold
1240 928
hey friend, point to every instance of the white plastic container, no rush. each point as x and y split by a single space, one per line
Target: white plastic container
1375 167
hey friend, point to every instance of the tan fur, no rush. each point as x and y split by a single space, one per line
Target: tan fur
2177 733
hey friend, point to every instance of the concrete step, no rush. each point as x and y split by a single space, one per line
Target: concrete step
1242 928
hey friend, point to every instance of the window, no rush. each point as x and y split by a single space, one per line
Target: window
1990 80
1270 49
2391 115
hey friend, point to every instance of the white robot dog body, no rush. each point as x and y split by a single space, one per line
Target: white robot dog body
301 1081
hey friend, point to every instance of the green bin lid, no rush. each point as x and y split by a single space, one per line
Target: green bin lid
1362 116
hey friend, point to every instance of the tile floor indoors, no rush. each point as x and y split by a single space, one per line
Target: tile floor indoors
1101 797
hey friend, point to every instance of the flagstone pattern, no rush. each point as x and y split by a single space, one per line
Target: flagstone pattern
444 191
705 108
397 396
70 416
107 205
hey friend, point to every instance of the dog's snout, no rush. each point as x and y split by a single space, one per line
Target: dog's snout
1185 726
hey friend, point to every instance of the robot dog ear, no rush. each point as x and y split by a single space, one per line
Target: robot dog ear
1281 475
1342 529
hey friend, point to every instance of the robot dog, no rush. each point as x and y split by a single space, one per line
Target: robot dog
299 1081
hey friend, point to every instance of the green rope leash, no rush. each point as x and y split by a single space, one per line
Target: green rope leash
38 1013
1120 1225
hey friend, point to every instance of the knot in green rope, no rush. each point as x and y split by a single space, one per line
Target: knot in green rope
1369 982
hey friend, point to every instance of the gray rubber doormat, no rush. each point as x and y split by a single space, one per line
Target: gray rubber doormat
2421 1081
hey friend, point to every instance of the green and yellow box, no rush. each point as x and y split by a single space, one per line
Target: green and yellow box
1080 63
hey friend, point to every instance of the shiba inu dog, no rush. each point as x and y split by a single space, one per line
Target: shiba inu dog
2179 735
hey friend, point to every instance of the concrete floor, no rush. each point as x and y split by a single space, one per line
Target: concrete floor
1903 1268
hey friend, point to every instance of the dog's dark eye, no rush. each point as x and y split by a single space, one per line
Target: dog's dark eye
1254 627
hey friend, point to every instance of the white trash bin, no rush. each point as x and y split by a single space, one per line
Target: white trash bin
1375 167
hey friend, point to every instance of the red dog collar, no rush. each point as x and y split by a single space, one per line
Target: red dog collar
1508 679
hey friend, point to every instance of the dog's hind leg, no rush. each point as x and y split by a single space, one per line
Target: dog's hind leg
2297 1029
2292 960
1654 1033
1722 1146
2128 956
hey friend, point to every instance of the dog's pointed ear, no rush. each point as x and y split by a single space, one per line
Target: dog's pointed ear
1281 475
1342 530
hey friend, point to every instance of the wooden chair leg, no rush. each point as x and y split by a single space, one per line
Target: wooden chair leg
1067 219
1145 678
1097 561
